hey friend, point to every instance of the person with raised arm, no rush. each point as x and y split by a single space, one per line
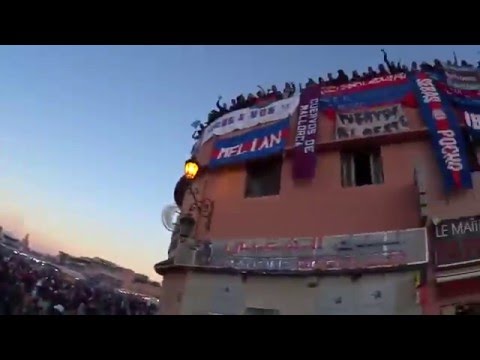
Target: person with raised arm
222 109
392 68
381 70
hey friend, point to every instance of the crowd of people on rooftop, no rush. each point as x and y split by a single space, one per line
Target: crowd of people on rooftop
262 96
31 287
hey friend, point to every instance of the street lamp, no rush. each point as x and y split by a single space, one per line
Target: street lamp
191 169
204 207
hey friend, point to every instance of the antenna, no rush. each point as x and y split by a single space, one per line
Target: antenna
169 216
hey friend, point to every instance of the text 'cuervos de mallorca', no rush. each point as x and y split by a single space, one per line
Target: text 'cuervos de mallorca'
307 125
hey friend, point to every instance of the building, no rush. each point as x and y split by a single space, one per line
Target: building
105 273
340 209
12 242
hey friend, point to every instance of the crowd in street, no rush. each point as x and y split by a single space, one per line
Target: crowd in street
31 287
341 78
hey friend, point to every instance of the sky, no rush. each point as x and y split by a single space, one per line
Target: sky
94 138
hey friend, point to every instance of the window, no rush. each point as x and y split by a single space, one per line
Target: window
473 151
362 167
263 177
260 311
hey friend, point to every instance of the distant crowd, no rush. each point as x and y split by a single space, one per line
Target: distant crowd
30 287
272 94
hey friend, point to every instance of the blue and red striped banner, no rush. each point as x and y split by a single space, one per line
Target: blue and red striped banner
259 143
379 91
447 140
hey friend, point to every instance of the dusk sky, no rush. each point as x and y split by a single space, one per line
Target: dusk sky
93 138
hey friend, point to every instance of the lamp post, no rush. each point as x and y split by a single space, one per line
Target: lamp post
191 169
204 207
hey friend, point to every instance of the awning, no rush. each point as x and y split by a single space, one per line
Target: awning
458 274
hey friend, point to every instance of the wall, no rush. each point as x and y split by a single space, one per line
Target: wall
229 295
321 207
173 286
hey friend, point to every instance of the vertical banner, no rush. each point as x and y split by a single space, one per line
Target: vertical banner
304 157
447 140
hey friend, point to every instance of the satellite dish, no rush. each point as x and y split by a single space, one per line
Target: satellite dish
169 216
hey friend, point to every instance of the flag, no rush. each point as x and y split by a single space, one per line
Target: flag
196 124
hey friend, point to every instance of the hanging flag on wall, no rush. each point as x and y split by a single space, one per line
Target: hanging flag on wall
376 92
371 121
447 140
462 77
263 113
304 157
456 90
254 144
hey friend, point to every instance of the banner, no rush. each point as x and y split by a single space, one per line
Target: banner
255 144
304 157
447 139
338 253
458 96
462 77
370 122
250 117
457 241
459 84
471 116
379 91
376 83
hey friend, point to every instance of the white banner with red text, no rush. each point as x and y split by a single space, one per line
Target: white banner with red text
250 117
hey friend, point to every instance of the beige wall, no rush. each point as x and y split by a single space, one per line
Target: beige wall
173 286
228 294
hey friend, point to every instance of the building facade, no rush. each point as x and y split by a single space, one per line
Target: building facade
12 242
364 207
102 272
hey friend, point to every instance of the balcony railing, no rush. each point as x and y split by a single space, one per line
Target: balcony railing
369 251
